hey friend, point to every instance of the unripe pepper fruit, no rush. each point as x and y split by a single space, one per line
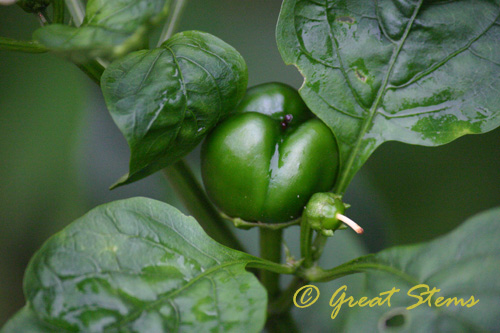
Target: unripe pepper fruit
264 162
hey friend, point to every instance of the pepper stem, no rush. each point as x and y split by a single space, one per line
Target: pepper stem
305 242
350 223
270 249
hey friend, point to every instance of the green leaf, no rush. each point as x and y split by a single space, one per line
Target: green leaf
166 100
26 321
111 28
141 265
462 264
417 72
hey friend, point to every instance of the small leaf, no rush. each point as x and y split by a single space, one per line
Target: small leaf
111 28
417 72
140 265
462 264
166 100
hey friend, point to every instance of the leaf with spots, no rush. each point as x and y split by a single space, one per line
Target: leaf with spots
166 100
462 265
139 265
419 72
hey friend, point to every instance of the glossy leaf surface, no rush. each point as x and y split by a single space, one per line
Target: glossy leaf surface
166 100
110 28
462 264
420 72
140 265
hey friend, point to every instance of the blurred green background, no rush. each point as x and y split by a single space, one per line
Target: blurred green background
59 152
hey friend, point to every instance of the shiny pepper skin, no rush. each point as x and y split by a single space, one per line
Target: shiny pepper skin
264 162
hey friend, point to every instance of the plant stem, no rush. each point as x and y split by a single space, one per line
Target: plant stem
285 300
242 224
172 21
270 249
318 246
77 11
282 323
196 201
273 266
305 243
361 264
58 11
93 69
9 44
43 17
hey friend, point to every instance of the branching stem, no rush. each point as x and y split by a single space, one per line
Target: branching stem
76 10
43 17
194 198
58 11
270 249
172 21
305 243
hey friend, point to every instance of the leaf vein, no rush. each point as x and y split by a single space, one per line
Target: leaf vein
344 176
168 296
337 51
445 60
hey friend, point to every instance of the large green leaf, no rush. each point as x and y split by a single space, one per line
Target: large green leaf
140 265
462 264
420 72
166 100
110 28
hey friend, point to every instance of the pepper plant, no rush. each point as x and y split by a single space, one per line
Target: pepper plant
418 72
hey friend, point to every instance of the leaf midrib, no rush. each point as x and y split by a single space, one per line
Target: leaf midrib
344 175
184 111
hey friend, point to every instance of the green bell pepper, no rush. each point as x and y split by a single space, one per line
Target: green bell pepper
264 162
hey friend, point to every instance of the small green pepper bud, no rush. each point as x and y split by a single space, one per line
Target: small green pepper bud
325 213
